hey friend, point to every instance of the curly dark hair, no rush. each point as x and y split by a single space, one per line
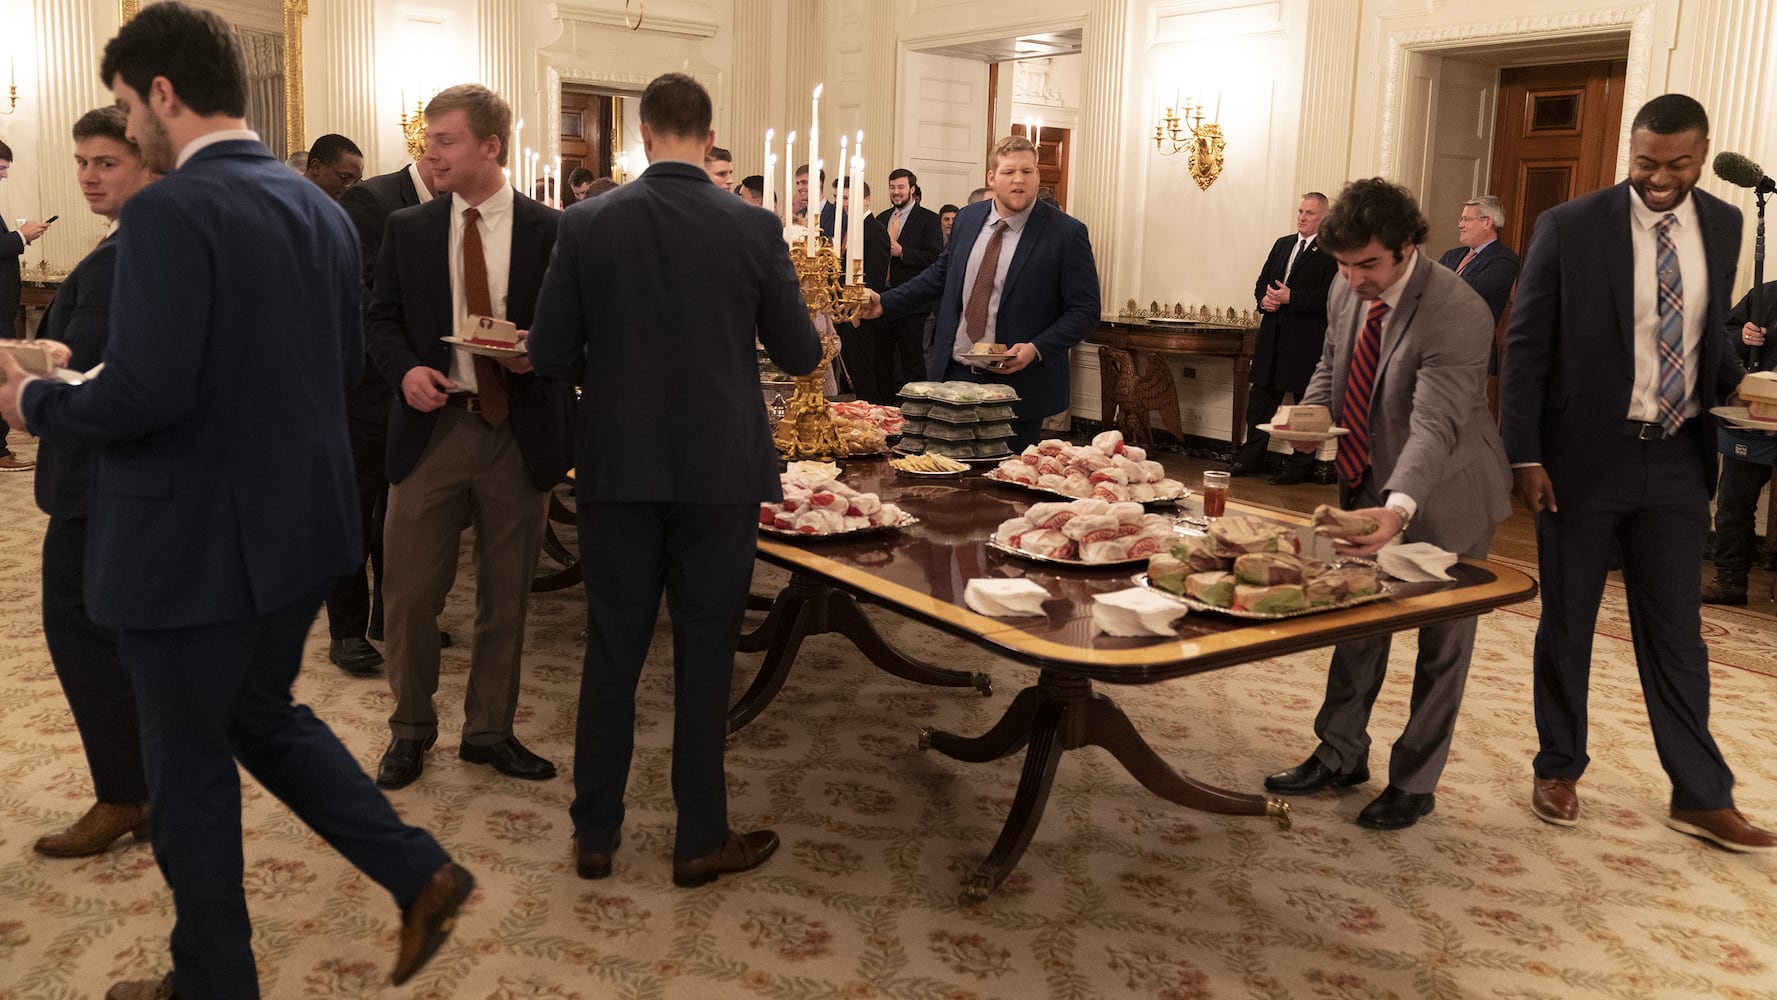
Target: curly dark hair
194 49
1374 209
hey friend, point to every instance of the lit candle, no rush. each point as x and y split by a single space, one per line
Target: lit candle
558 183
524 173
1218 116
536 162
855 239
789 178
1038 141
816 189
840 222
517 143
770 174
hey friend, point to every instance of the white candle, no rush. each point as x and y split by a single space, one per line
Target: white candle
1038 141
855 238
840 222
789 178
816 189
770 174
517 143
558 183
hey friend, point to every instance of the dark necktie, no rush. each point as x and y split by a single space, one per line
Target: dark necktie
1301 248
1467 259
1360 382
1671 308
490 378
975 313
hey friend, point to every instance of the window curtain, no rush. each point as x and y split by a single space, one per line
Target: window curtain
264 53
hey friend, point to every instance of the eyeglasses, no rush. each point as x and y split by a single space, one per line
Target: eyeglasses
346 180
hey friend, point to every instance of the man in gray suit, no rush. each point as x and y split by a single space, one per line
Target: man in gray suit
1404 370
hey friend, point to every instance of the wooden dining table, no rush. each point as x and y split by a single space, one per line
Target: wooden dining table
920 572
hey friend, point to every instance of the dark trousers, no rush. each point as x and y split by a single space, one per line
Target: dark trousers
1262 402
1736 504
867 365
904 351
701 557
351 601
209 696
93 678
1653 505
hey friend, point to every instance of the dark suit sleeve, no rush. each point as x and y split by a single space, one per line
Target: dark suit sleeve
782 322
386 335
1079 299
12 244
1260 283
922 292
85 326
368 218
876 254
558 331
1495 281
1530 345
930 242
1311 296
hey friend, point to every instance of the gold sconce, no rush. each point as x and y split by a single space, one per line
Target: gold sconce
13 84
1181 129
413 130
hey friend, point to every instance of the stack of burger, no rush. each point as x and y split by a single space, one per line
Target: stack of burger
1107 469
816 505
1249 564
1089 531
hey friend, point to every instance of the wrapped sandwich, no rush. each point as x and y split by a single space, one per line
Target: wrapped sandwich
1167 572
1279 599
1198 552
1268 568
1239 534
1339 584
1214 588
1331 522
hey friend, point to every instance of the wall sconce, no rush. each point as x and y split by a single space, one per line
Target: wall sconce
1181 129
12 84
413 130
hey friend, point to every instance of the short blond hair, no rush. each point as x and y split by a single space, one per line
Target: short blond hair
488 113
1006 147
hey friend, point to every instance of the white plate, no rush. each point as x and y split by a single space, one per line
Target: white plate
907 521
985 362
1289 435
998 546
1738 416
485 350
1186 490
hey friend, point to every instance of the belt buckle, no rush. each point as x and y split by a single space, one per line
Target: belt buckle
472 403
1647 430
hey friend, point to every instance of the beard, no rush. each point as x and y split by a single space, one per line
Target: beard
156 145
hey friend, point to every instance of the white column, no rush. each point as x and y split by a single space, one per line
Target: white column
340 84
1102 138
66 86
500 69
879 100
1323 143
751 111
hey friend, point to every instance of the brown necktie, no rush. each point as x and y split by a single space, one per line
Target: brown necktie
1467 259
895 226
975 313
490 378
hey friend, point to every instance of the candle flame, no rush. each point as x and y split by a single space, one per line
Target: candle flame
769 133
817 90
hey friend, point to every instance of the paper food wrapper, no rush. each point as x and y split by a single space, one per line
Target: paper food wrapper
1419 562
1004 598
1135 611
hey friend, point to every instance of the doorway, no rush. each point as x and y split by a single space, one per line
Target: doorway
1555 138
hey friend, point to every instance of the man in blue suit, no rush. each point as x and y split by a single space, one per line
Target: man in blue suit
1489 266
1616 352
660 286
1015 272
223 501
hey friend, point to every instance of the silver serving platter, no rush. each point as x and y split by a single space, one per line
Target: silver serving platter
907 521
1141 580
1185 491
998 546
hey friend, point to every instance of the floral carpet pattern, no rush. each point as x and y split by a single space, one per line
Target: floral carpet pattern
1121 894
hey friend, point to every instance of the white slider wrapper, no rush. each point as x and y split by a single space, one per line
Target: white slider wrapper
1419 562
1002 598
1135 612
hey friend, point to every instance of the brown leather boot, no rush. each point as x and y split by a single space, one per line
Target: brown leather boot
93 833
1725 591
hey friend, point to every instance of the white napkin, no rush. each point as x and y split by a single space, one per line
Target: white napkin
1419 562
1004 598
1135 611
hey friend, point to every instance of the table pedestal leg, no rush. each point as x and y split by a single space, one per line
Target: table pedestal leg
1062 713
808 606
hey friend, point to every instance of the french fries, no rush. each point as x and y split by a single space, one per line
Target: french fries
928 464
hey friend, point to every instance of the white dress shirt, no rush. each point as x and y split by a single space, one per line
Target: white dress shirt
1302 245
1687 239
496 246
210 139
1008 246
419 186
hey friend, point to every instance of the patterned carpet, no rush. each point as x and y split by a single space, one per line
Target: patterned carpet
1120 895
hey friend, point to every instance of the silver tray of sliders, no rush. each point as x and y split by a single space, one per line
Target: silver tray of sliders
1142 580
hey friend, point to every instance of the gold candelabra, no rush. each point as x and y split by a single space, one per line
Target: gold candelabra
413 130
1182 130
807 430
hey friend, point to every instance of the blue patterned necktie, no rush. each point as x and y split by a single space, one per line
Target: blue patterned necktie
1671 308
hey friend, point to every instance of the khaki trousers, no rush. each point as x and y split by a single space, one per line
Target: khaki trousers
469 472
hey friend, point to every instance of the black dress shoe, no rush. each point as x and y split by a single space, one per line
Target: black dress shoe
1396 810
1246 468
354 656
590 864
403 761
740 852
1292 473
509 757
1311 776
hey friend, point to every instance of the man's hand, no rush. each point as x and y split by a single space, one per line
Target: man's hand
1388 527
518 364
424 388
31 230
872 308
16 377
1017 358
1754 336
894 247
1279 293
1532 485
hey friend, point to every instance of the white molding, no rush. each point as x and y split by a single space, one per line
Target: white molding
651 24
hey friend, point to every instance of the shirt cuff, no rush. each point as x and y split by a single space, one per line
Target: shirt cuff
1527 465
1404 502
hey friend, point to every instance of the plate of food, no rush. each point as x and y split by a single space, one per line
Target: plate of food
1274 605
1085 534
1291 434
1741 417
1307 423
811 534
1170 494
991 357
928 467
488 349
998 546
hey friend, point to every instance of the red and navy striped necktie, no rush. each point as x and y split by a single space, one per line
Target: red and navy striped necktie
1360 381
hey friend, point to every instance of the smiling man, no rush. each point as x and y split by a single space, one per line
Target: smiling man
1015 272
1616 352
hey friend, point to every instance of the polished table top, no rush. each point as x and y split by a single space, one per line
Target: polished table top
921 571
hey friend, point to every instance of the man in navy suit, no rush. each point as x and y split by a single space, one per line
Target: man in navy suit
659 287
471 437
1489 266
1016 272
1616 352
916 238
12 247
222 497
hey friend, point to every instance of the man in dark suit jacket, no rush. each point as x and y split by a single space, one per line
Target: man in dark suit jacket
1616 352
1046 285
916 238
865 349
470 438
85 654
1742 479
1291 292
222 497
12 247
675 456
1489 266
1405 370
355 612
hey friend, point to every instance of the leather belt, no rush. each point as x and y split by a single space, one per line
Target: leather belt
464 401
1643 430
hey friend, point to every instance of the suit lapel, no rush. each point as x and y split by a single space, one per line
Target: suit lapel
1619 263
1027 245
964 235
435 241
1395 329
1346 331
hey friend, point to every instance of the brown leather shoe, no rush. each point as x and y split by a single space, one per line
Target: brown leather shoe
430 918
591 864
1555 801
1723 591
741 852
93 833
143 989
1726 827
13 463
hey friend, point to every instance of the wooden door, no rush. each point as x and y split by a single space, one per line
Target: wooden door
1555 138
586 126
1051 158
